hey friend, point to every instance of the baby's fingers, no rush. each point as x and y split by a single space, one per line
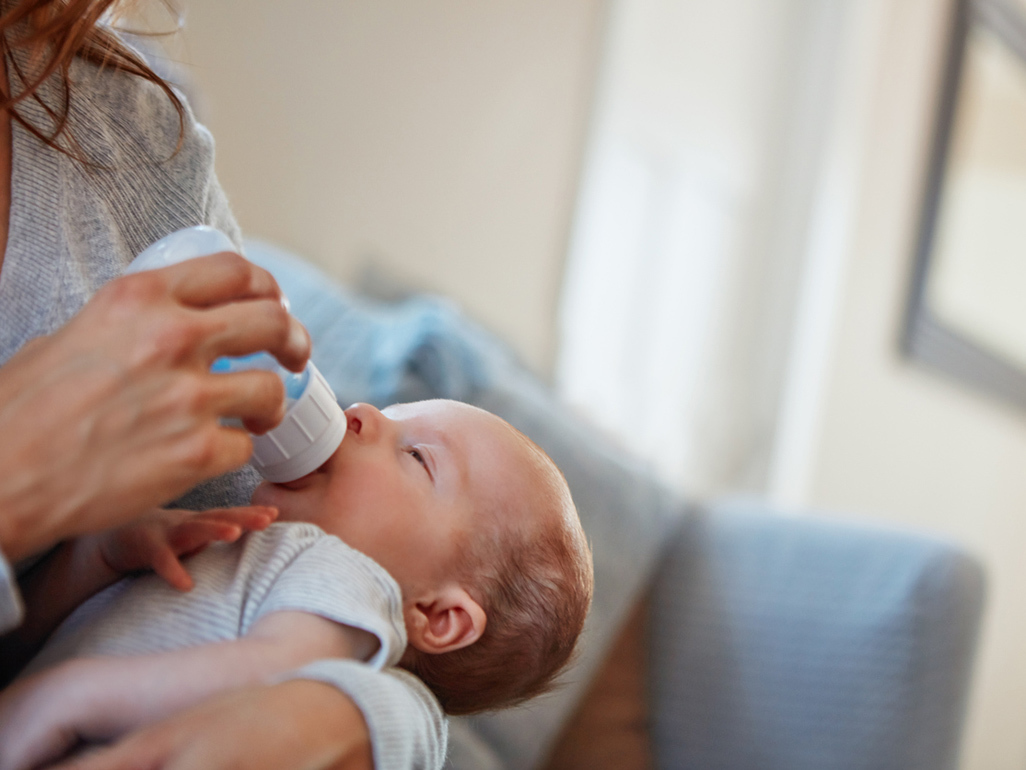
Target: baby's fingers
248 517
185 540
167 565
219 524
197 532
194 535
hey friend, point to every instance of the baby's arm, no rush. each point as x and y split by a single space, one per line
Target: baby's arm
79 568
94 699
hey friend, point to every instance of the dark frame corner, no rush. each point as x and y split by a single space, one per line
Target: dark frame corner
925 338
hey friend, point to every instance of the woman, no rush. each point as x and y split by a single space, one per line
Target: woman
115 411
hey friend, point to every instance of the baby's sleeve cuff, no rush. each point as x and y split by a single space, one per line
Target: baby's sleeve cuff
408 730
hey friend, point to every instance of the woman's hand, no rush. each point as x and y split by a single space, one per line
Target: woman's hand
39 717
118 412
296 725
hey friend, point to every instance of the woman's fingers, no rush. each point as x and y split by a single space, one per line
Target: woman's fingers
255 398
219 279
242 328
180 312
139 752
212 453
118 411
164 468
230 283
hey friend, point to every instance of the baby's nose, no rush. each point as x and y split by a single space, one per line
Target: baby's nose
353 423
365 421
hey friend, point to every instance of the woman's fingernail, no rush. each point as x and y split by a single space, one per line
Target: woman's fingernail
299 340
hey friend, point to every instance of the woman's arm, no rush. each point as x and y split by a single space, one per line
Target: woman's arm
98 699
383 720
52 589
295 725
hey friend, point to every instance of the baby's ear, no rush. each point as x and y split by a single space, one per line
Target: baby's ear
444 620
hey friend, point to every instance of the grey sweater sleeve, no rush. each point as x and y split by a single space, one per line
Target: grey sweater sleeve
408 730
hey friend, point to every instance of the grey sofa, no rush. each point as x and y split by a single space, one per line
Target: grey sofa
775 641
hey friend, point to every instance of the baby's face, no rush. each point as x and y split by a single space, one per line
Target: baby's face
406 483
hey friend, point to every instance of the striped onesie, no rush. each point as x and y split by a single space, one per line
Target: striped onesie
289 566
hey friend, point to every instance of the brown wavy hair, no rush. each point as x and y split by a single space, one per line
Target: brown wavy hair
54 33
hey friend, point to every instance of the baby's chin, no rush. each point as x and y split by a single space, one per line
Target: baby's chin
269 494
278 496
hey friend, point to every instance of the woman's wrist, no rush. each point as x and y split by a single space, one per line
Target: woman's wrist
18 512
37 499
18 537
86 561
55 586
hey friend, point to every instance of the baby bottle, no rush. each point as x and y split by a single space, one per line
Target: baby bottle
314 424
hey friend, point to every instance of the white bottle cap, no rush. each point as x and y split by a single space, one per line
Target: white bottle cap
313 428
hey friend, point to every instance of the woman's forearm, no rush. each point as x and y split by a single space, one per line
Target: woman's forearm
296 724
52 589
112 696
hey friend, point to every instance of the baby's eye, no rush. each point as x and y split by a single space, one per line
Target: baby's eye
418 456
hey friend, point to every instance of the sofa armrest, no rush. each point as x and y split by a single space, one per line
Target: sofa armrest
797 642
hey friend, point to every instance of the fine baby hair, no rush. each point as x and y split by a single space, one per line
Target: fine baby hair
535 585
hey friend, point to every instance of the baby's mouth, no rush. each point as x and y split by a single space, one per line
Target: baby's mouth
302 481
296 483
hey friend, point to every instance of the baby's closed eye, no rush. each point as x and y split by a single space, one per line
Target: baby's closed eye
422 457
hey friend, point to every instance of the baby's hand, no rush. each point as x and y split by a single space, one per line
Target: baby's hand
160 539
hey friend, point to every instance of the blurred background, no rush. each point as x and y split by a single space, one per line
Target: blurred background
697 219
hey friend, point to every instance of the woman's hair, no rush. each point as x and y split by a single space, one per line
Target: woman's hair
54 33
534 584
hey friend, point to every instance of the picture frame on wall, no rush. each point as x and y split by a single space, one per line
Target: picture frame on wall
966 313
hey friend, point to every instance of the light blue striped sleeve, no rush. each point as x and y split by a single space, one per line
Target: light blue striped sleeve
408 730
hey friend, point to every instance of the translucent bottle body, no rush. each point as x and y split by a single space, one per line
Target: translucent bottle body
295 384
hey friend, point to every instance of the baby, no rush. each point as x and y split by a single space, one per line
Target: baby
457 555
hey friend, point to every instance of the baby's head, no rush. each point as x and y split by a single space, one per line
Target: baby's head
477 526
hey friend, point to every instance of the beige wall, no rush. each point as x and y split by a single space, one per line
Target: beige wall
440 140
903 443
